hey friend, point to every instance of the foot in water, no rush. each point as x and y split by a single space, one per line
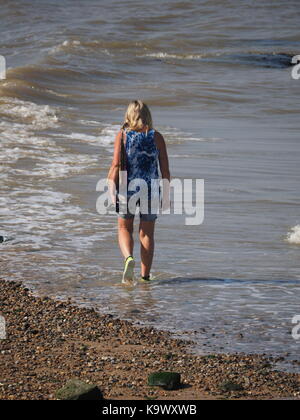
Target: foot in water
146 279
128 274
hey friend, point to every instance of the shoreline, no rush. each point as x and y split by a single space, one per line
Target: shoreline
50 342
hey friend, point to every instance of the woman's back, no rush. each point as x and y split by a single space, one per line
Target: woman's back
142 157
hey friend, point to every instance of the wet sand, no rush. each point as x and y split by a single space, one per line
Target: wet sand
49 342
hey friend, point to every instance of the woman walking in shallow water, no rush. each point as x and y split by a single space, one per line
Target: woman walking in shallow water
145 153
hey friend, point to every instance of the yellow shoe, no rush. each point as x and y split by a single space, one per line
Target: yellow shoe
128 273
146 279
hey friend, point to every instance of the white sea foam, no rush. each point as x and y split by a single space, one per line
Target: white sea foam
176 136
86 138
21 120
106 136
202 138
37 117
65 44
61 166
176 56
70 44
107 133
90 122
293 236
50 160
41 219
20 138
14 133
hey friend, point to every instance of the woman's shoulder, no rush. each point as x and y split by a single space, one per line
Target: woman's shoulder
157 134
159 139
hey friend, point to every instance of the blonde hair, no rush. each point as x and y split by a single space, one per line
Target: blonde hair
138 116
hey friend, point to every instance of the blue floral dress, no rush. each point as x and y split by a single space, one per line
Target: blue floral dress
142 160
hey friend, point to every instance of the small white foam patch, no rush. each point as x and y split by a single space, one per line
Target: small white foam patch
176 56
64 45
90 122
293 236
70 44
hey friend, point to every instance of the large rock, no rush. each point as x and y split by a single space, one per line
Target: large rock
167 380
78 390
5 239
230 386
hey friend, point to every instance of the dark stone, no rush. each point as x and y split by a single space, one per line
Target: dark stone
230 386
210 356
167 380
5 239
78 390
168 356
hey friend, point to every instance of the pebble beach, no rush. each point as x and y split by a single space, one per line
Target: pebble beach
48 342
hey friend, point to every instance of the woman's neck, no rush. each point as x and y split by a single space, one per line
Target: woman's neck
143 130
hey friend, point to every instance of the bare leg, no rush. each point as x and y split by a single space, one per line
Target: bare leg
125 232
146 231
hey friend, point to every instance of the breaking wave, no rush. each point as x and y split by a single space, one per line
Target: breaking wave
293 236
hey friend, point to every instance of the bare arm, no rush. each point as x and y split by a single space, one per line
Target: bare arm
113 174
163 156
116 157
164 169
